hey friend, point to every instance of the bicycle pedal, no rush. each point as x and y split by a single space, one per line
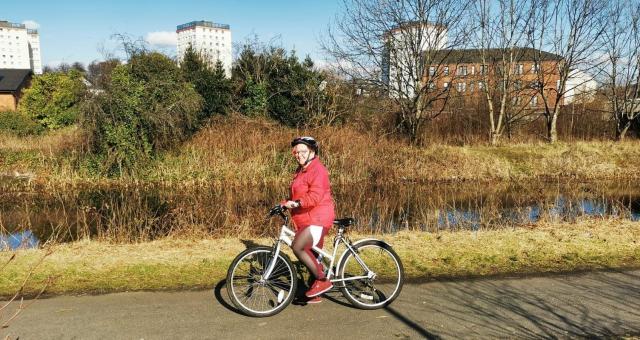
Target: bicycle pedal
366 296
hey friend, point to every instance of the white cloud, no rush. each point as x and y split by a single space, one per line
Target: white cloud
162 38
30 24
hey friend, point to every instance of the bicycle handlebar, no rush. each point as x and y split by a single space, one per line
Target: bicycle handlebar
279 210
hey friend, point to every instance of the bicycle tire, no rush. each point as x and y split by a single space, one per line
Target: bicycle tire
284 278
365 293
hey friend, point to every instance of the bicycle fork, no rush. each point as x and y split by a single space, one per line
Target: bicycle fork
285 236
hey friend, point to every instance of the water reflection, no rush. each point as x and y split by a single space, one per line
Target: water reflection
19 240
563 209
148 210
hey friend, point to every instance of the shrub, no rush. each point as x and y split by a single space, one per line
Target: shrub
52 99
269 82
146 107
210 82
19 124
254 98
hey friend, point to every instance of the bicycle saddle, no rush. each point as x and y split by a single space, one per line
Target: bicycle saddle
344 222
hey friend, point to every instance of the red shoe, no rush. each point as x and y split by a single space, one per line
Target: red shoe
314 300
319 287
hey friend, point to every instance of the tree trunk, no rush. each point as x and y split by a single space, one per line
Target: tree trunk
552 130
623 131
495 137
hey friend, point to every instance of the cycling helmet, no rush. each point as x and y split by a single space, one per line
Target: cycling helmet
308 141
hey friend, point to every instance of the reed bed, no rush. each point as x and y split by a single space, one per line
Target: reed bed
143 211
241 151
221 182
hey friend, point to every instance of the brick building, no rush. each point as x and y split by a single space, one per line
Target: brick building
465 75
12 82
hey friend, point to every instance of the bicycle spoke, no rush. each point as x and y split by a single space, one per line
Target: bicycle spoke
377 286
281 286
251 293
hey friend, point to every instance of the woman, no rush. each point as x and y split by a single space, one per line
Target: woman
312 210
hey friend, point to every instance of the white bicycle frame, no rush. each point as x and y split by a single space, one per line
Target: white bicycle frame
287 235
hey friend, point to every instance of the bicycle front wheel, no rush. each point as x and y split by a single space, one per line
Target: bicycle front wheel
250 292
373 275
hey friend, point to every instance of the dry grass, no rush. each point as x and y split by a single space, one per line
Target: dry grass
100 267
240 151
51 143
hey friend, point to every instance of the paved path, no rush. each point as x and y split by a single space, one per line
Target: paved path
600 304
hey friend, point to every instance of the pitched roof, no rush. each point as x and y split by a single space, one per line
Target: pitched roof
13 79
462 56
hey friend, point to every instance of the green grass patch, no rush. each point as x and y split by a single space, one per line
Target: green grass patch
169 264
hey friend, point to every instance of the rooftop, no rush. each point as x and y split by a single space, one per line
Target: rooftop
4 23
202 23
463 56
12 79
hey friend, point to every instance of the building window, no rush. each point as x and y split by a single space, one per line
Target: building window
517 85
445 85
473 69
461 87
483 69
535 68
432 70
534 101
461 71
516 100
472 87
446 70
536 85
481 85
431 86
519 69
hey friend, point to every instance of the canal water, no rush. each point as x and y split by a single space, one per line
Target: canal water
31 214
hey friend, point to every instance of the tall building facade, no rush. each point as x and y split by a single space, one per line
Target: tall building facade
19 47
210 39
405 46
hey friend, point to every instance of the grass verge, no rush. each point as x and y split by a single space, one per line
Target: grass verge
170 264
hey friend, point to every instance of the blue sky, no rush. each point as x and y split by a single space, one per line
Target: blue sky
79 30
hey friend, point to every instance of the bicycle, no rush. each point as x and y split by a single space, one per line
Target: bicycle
262 281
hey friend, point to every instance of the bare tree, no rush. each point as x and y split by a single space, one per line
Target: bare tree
621 72
570 29
501 32
99 72
391 45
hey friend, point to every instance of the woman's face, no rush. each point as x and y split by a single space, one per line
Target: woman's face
302 153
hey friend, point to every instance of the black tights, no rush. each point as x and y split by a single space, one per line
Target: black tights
301 246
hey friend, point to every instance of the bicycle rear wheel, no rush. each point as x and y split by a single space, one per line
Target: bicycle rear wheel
377 287
248 290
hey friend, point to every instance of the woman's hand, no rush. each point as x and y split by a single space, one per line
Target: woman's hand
291 204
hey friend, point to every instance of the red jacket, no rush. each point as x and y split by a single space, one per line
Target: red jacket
311 187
